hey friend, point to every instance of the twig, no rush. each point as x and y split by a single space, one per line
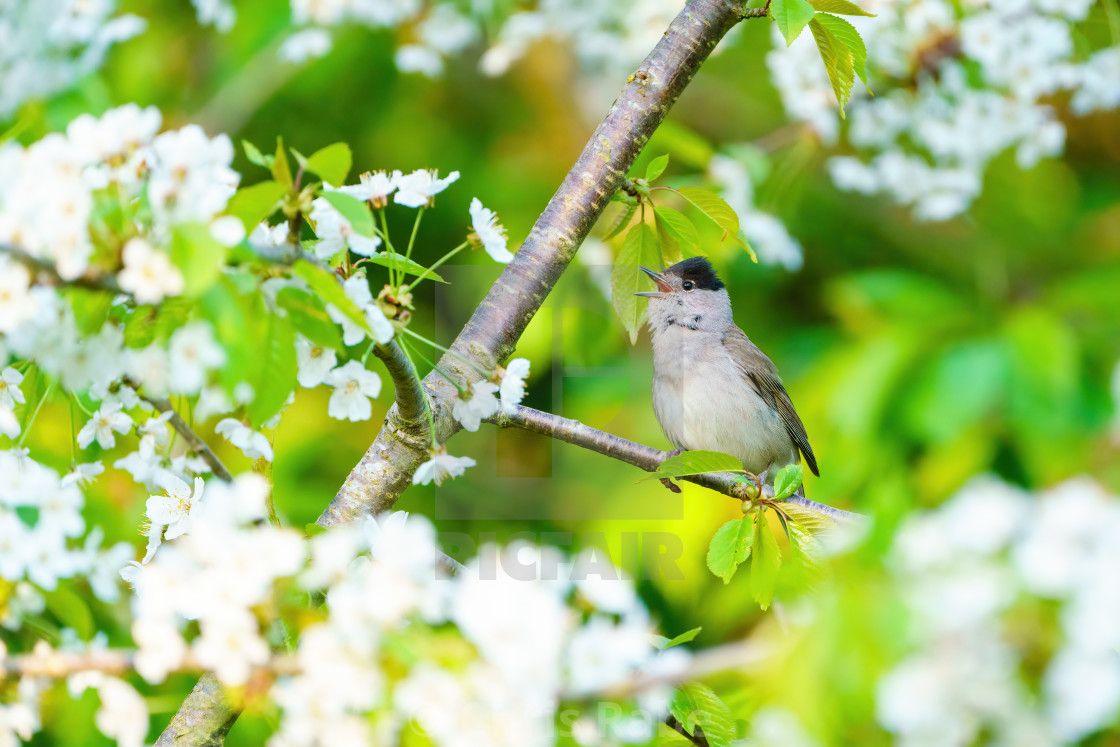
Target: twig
697 739
48 274
641 456
194 441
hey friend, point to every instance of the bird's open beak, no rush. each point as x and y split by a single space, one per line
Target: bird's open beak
662 286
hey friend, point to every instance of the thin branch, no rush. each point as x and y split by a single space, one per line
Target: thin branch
697 739
194 441
46 273
641 456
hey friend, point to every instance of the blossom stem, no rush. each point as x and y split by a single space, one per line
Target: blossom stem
483 372
436 264
394 276
34 415
415 230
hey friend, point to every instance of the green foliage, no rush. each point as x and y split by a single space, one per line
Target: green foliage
256 203
842 7
715 208
281 171
255 156
656 167
326 285
309 317
685 637
353 210
70 609
331 163
697 463
639 249
198 255
622 221
402 264
730 547
788 480
91 308
838 61
848 36
791 16
695 705
147 324
677 234
273 375
766 560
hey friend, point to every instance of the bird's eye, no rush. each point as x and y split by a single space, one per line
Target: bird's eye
687 285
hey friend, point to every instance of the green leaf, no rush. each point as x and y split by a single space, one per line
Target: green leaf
747 245
273 375
766 559
353 210
851 39
326 285
281 171
791 17
677 234
843 7
788 481
622 221
807 519
256 203
730 546
657 167
698 705
331 163
91 309
148 324
387 259
697 463
837 60
70 609
685 637
313 529
714 208
198 255
309 317
231 314
639 248
255 156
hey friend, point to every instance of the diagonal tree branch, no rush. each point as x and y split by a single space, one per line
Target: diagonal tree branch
641 456
46 272
496 325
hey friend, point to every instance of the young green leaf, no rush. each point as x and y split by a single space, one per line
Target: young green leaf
766 559
730 546
791 17
837 60
685 637
255 156
697 705
353 210
273 375
788 480
331 163
402 263
714 208
281 172
91 309
843 7
326 285
70 609
622 221
851 39
309 317
639 248
697 463
657 167
677 234
256 203
198 255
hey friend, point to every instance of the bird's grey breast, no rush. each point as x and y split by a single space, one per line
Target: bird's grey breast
703 401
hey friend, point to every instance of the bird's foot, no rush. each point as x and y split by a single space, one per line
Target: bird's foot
670 484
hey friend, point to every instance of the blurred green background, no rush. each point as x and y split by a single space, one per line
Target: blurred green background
918 354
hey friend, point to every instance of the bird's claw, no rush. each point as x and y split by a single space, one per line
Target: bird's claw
670 484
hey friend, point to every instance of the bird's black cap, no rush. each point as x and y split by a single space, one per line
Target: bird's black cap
699 271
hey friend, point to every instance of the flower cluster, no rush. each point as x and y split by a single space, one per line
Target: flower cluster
955 87
967 571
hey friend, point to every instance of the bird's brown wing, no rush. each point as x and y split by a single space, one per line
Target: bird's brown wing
762 374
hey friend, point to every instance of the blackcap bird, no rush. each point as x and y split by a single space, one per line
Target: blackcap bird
713 389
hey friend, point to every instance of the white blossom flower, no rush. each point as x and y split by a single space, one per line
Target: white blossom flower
354 385
374 187
512 389
419 188
475 405
417 58
252 444
230 646
9 423
227 230
490 233
193 352
148 273
100 427
441 466
314 361
357 290
16 303
10 393
83 473
336 233
160 648
309 44
173 511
